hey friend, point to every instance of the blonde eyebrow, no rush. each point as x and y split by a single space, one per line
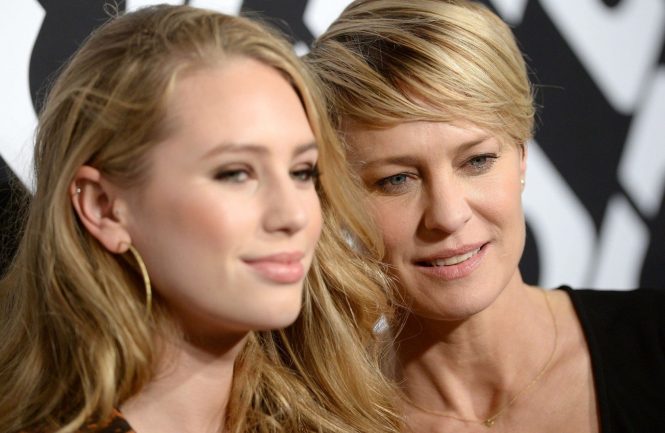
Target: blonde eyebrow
254 148
411 160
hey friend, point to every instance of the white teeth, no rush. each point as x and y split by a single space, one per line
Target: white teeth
456 259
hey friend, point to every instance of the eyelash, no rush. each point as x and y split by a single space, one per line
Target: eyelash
477 164
309 173
232 175
487 162
241 175
385 184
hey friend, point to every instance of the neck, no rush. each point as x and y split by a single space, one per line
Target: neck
471 368
190 390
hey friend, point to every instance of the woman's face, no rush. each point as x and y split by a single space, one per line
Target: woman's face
229 218
447 199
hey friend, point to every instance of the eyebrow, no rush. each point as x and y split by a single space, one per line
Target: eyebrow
412 160
254 148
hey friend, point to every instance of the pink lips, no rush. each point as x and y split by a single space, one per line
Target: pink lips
281 268
454 271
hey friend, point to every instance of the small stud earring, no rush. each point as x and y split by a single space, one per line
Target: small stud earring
522 182
78 190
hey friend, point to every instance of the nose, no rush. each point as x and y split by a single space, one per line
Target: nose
288 207
446 206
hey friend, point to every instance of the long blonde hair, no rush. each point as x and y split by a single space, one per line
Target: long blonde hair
75 338
383 62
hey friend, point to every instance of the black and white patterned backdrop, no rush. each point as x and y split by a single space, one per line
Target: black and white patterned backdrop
596 178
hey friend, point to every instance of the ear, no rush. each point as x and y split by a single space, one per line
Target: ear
99 210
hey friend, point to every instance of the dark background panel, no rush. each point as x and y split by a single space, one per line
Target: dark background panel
14 199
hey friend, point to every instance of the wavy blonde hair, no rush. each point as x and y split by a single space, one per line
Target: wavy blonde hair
75 338
384 62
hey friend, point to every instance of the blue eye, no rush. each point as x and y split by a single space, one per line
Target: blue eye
397 179
235 176
394 184
482 163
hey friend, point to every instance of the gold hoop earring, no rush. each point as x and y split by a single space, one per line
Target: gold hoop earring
146 279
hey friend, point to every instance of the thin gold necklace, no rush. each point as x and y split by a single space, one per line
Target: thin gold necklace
491 420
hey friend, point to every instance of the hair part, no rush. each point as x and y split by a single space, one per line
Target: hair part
383 62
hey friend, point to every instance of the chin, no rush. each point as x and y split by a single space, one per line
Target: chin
275 317
453 305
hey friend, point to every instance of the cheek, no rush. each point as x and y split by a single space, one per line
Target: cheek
396 223
191 244
196 224
499 203
208 218
316 219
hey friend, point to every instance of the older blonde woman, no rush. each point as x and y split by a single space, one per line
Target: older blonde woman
168 278
435 107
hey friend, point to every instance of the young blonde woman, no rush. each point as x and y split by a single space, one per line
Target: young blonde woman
167 278
435 107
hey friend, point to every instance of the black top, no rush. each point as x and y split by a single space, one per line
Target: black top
625 332
116 424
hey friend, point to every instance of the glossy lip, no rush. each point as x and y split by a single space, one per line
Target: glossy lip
457 271
280 268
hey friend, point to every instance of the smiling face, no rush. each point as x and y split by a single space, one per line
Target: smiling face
447 200
229 218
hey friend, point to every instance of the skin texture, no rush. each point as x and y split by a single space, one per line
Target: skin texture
474 334
227 223
231 185
441 191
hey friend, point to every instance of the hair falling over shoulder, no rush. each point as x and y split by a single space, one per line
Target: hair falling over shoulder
76 341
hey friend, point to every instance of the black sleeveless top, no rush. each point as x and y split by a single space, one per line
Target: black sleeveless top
625 333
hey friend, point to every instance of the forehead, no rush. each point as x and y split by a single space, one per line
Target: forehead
235 96
410 136
241 101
